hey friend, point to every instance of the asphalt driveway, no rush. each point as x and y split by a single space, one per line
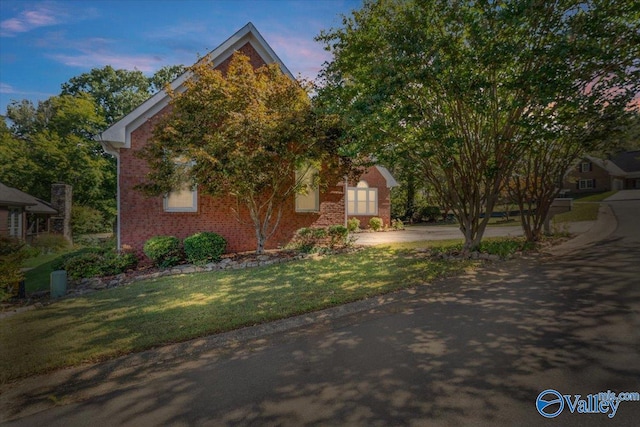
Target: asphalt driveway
477 350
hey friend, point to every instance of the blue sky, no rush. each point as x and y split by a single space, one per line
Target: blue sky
45 43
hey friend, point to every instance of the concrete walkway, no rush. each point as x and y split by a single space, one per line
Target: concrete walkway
429 232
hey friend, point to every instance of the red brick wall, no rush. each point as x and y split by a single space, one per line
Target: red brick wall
601 176
143 217
374 178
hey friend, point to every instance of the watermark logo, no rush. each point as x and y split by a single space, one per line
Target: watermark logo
550 403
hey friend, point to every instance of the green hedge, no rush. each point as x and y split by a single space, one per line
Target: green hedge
164 251
204 247
94 262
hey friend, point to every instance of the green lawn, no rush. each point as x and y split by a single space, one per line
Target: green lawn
37 278
147 314
584 208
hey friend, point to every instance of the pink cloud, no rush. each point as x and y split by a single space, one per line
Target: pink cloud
28 20
299 55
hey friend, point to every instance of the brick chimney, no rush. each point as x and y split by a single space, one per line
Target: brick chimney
61 201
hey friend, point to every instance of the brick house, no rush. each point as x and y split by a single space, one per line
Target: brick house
182 213
594 175
23 216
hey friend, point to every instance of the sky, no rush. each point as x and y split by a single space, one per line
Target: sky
45 43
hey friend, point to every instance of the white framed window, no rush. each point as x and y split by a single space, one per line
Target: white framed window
585 167
585 184
309 199
362 200
15 222
183 200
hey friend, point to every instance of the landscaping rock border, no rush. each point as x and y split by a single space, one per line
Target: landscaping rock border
229 262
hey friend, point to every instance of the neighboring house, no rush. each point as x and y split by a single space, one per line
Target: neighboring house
21 215
594 175
182 213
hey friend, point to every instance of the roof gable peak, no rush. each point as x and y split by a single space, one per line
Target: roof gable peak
118 135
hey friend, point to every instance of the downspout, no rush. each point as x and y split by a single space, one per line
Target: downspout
346 201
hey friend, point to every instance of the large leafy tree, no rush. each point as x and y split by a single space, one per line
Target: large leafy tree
465 89
118 92
244 134
52 143
53 140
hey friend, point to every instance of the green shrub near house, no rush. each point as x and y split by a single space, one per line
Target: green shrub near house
397 224
306 239
204 247
376 223
338 235
353 224
164 251
95 262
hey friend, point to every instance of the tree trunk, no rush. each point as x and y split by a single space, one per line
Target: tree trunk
411 196
261 241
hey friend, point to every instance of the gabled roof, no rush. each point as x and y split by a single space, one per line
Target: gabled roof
119 134
391 181
628 161
607 165
14 197
10 196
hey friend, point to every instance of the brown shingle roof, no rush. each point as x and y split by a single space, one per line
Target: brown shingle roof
10 196
628 161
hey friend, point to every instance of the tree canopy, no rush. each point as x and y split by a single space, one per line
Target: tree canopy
53 140
118 92
243 134
464 89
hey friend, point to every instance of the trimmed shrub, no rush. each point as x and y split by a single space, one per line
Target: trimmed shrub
376 223
397 224
307 238
353 224
204 247
164 251
99 263
59 263
118 262
84 265
338 235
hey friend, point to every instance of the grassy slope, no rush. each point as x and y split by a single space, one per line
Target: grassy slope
154 312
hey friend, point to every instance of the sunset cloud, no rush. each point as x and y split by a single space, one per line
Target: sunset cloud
304 56
43 15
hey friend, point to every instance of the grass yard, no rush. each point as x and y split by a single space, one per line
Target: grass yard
37 278
584 208
147 314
